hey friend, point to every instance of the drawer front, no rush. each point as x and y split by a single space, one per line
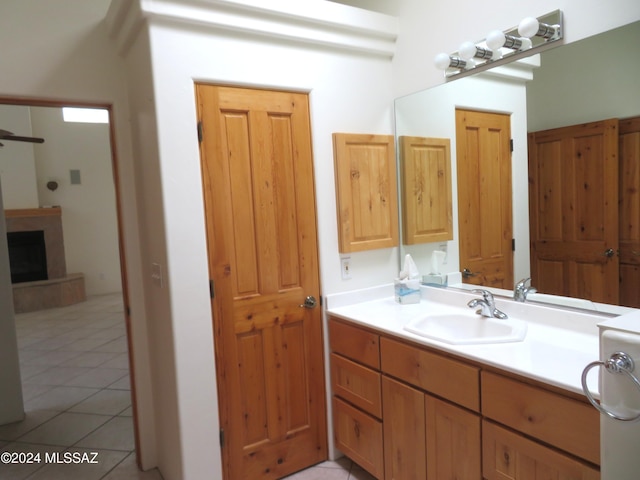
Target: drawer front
359 436
509 456
434 373
355 343
357 384
561 421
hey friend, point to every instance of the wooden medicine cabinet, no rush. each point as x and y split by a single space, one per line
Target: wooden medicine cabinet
425 166
367 192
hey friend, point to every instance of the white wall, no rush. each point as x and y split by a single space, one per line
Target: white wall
89 221
61 51
17 161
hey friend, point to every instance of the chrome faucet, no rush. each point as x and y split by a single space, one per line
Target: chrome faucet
487 305
521 290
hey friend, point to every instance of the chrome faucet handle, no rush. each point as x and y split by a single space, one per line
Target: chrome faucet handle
486 295
487 305
521 291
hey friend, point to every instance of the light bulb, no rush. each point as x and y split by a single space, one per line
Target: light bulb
467 50
442 61
495 39
528 27
531 27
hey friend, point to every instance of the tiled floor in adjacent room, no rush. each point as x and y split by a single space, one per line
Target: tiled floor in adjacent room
75 383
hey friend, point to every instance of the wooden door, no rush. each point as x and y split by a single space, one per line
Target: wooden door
629 193
573 203
453 441
261 233
403 431
484 197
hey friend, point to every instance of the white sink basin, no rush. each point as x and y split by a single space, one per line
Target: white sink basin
467 329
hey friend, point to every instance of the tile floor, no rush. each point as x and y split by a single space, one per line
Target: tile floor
75 383
342 469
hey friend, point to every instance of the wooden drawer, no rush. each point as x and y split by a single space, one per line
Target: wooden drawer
359 436
357 384
355 343
445 377
561 421
509 456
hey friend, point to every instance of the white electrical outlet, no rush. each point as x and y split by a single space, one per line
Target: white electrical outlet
345 267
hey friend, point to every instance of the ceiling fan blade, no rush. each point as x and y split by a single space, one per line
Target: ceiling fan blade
17 138
7 135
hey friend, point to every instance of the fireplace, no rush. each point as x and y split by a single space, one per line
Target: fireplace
37 261
27 256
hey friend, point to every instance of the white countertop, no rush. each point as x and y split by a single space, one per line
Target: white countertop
558 345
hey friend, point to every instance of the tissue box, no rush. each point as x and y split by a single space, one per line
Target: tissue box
407 291
435 279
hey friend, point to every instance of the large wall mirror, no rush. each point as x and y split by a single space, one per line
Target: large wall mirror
586 81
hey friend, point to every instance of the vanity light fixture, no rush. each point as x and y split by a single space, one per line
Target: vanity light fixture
531 34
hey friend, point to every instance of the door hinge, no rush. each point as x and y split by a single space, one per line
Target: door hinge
511 144
128 310
199 132
212 292
513 244
222 438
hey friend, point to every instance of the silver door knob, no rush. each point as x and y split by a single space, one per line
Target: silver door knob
609 252
309 302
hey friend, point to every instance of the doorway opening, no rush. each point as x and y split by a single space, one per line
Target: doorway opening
76 357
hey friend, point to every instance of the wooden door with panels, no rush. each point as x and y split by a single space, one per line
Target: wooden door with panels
263 262
485 224
629 194
573 210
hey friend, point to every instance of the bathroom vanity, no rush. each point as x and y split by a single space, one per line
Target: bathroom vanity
408 406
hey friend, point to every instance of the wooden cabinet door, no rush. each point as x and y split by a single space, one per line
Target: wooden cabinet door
367 191
509 456
359 436
573 203
629 150
483 156
404 431
453 442
262 243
